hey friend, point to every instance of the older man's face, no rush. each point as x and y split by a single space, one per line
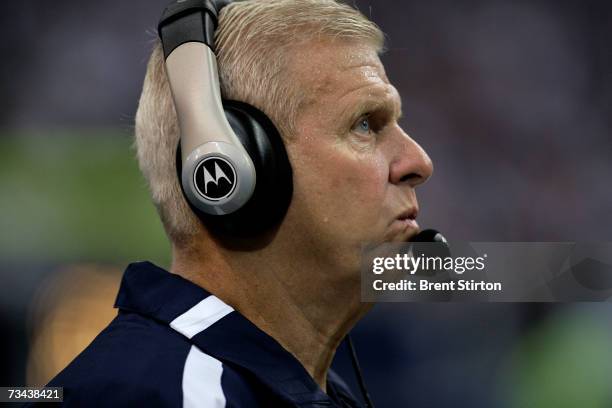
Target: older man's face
355 169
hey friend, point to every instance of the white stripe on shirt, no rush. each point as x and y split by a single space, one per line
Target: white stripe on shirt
201 316
202 381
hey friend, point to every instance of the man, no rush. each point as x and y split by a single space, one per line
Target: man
259 327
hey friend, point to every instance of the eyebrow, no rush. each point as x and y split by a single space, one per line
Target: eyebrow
386 104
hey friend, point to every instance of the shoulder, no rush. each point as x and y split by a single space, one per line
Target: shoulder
137 361
134 359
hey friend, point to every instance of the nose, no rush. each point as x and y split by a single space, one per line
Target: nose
410 164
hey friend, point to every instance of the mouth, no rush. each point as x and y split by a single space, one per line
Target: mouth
404 225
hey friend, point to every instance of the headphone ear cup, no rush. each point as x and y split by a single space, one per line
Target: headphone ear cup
274 184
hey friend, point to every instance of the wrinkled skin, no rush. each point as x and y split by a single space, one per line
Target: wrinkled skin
355 169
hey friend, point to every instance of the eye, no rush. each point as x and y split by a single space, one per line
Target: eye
362 125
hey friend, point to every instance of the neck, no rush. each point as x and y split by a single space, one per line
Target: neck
300 302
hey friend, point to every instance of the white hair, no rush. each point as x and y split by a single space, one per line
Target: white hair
253 42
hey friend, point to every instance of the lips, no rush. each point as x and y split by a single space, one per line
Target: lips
404 225
408 214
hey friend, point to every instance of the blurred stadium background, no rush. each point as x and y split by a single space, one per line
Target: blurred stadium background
512 99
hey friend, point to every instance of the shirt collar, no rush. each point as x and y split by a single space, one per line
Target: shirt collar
151 291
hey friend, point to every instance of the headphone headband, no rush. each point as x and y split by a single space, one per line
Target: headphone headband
188 21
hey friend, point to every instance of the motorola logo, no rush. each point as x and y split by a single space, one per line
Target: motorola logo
214 178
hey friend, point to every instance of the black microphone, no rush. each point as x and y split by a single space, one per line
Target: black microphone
429 235
430 243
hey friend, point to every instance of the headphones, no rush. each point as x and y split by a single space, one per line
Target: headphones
231 161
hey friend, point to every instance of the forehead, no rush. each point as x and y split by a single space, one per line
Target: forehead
334 69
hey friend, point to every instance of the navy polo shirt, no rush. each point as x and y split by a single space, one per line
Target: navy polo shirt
173 344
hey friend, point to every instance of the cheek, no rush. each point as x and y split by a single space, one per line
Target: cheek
360 182
335 184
